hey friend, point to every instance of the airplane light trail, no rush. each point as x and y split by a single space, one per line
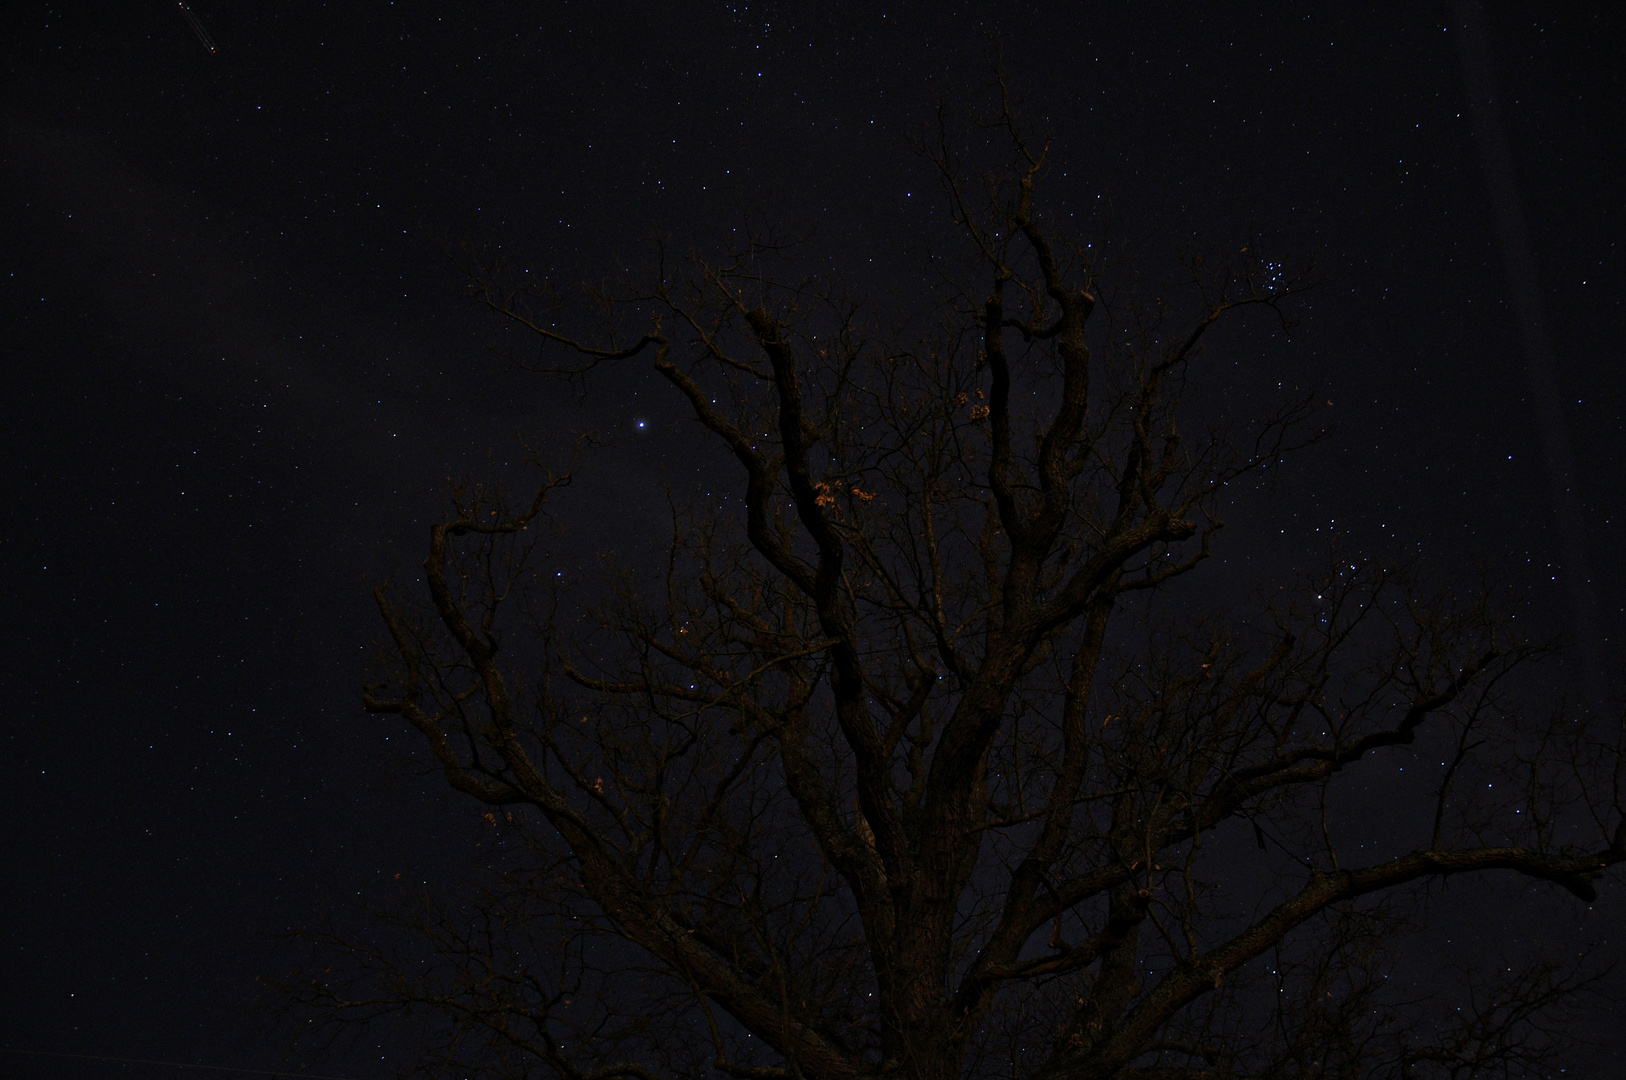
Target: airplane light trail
197 27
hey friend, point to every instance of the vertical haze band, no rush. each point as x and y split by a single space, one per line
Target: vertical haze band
1496 162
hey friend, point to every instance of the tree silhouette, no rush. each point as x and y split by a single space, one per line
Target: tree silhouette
896 769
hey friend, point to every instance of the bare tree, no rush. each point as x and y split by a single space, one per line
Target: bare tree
894 768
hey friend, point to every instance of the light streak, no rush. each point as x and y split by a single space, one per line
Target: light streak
197 27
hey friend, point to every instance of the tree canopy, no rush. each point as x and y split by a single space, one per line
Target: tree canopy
910 760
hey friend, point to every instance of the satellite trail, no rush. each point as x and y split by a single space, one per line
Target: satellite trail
197 27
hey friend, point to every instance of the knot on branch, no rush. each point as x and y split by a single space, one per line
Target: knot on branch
1179 529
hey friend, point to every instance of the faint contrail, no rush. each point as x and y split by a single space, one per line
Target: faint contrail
197 27
1496 160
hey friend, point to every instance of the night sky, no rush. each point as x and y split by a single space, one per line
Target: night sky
238 371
